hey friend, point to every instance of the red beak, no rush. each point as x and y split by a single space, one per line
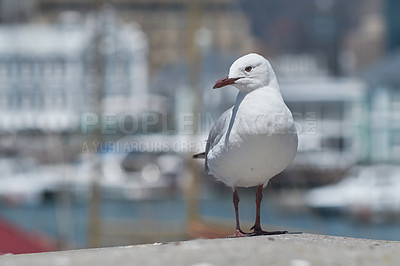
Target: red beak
225 81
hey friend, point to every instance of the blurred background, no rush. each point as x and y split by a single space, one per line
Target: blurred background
103 103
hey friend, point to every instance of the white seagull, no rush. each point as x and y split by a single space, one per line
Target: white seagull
254 140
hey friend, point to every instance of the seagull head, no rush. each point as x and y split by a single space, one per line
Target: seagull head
248 73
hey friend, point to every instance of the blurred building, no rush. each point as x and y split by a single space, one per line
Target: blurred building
173 83
315 27
166 23
391 12
43 76
383 94
384 108
16 11
329 112
47 72
365 43
349 35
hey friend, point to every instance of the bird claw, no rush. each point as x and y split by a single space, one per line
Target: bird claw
238 233
256 232
261 232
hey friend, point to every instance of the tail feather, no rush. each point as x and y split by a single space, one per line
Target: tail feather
199 155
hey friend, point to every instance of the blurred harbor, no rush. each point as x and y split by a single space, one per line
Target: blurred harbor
150 205
127 222
104 102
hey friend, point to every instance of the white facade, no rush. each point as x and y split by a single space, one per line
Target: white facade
46 71
384 108
330 112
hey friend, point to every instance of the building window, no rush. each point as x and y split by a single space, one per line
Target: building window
395 145
395 100
25 71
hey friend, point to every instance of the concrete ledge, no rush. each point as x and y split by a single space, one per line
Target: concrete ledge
291 250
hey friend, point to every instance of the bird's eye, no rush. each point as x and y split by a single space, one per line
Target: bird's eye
248 69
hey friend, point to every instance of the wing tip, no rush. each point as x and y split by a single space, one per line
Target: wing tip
201 155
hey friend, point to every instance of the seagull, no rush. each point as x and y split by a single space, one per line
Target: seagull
254 140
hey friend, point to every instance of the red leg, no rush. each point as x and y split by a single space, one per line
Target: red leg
259 197
238 232
257 224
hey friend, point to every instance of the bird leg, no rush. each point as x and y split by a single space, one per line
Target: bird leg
238 232
257 226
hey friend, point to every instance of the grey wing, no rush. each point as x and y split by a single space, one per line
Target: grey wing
217 131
